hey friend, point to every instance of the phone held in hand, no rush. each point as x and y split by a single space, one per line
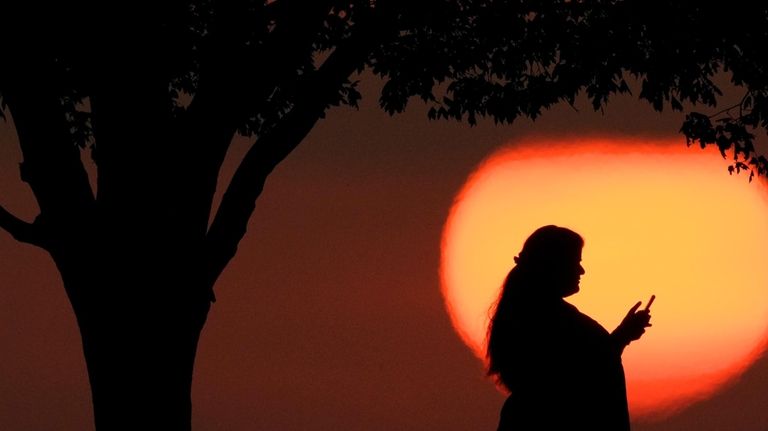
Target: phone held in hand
650 301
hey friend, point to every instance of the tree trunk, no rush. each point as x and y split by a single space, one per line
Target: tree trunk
140 314
140 366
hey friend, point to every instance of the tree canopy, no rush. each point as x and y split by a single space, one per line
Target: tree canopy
467 58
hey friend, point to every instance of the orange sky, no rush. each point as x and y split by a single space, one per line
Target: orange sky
652 214
331 316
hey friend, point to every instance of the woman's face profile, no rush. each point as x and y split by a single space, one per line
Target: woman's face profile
566 273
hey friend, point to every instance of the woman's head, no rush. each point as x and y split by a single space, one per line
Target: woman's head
550 261
548 267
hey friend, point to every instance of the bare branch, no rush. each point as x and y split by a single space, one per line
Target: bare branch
727 110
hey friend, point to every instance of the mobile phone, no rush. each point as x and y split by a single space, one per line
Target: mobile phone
650 301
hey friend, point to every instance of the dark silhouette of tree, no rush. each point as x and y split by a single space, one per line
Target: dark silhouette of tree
157 90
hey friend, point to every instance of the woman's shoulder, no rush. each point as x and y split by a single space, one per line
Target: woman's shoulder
574 317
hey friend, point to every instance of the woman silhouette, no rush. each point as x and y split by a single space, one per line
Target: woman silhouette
562 368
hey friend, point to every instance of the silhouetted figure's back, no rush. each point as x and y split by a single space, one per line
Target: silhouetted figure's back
564 371
562 368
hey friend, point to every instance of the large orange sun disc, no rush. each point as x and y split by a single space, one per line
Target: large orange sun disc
657 218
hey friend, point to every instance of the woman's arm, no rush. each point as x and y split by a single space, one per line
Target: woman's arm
632 327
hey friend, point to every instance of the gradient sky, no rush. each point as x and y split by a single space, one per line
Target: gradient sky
330 317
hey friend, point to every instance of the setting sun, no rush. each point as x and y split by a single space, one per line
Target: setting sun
657 218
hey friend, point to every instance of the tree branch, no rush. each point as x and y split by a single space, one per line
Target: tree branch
19 229
52 165
229 95
232 94
237 205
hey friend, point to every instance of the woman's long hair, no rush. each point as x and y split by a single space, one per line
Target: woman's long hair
542 253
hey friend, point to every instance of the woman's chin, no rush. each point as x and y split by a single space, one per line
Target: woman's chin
569 292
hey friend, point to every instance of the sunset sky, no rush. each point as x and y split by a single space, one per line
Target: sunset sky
331 315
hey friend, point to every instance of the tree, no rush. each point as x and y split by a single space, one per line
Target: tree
159 98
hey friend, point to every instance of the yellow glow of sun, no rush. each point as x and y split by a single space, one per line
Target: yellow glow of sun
657 218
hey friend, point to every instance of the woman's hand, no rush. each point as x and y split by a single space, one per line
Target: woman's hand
633 326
